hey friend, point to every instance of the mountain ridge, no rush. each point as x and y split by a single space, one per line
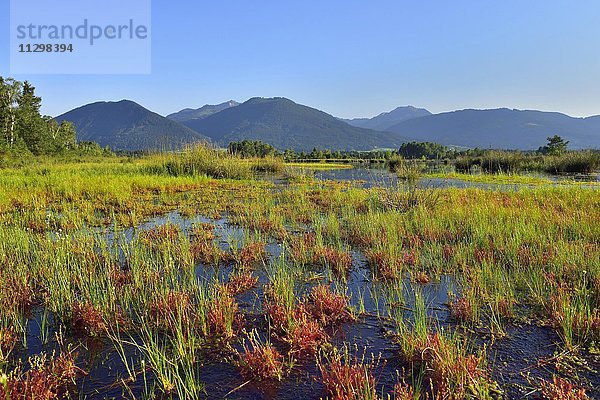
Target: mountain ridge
501 128
126 125
198 113
385 120
285 124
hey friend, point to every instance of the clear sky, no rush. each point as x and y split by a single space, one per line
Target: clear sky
354 58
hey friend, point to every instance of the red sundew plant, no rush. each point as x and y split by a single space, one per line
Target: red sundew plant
525 256
340 261
326 307
320 200
174 306
422 278
349 377
46 380
207 252
304 335
387 266
561 313
260 361
8 341
36 226
251 254
448 252
160 234
278 315
505 307
410 258
241 283
223 320
404 391
203 232
263 224
416 241
462 309
482 255
297 327
561 389
453 373
301 247
120 277
16 294
86 319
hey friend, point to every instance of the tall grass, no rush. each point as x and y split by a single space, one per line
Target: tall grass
583 162
200 160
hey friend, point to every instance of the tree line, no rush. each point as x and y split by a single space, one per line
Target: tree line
24 130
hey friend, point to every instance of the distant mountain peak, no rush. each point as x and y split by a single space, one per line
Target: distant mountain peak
285 124
206 110
385 120
126 125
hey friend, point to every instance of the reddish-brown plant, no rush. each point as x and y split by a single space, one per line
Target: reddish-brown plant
160 234
447 252
251 254
561 389
462 309
8 340
208 252
403 391
422 277
46 380
86 319
16 294
261 361
387 266
241 282
410 257
348 378
340 261
301 247
168 310
303 334
223 319
120 277
326 307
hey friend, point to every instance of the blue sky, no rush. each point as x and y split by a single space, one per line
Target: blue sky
354 58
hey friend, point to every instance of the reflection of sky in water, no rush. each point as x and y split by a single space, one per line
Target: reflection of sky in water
378 177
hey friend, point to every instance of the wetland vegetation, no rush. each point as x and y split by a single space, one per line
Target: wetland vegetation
186 275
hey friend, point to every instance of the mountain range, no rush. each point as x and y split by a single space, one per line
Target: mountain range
501 129
288 125
126 125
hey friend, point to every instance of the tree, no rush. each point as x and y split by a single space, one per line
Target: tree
10 93
23 128
430 150
251 148
30 124
556 146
